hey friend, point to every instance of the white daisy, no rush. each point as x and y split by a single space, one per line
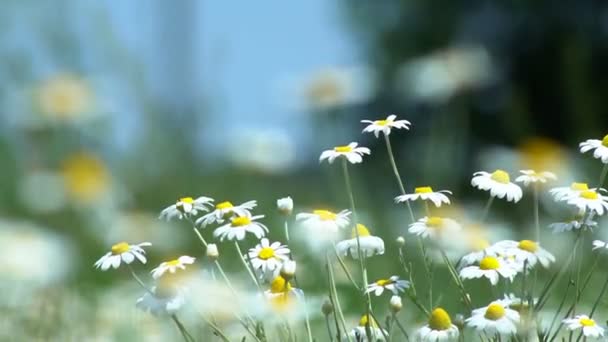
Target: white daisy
599 244
172 266
589 326
122 252
370 245
285 205
267 258
590 199
161 304
359 334
439 328
239 226
498 183
225 210
564 192
186 206
426 193
600 148
490 267
526 251
351 152
385 125
516 303
434 227
479 251
324 221
281 295
531 176
574 223
393 284
495 318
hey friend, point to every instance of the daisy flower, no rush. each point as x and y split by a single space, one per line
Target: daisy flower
586 323
516 303
590 199
574 223
186 206
479 247
351 152
281 294
122 252
226 210
526 251
267 258
172 266
495 318
439 328
370 245
598 244
498 183
239 226
564 192
490 267
159 304
426 193
359 334
393 284
531 176
385 125
600 148
324 221
434 227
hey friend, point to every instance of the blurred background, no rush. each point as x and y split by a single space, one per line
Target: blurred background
110 111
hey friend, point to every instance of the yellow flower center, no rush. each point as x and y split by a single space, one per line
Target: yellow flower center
361 230
434 222
589 194
278 285
325 215
86 177
495 312
501 176
364 321
343 149
579 186
187 200
384 282
120 248
528 245
489 263
381 122
605 141
586 322
266 253
423 190
224 205
173 262
440 320
241 221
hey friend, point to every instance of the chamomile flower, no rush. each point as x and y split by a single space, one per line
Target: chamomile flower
526 251
479 251
516 303
359 333
565 192
531 176
267 258
492 268
498 183
282 295
122 252
385 125
587 324
370 245
324 221
351 152
392 284
161 304
426 193
239 226
574 223
496 318
590 200
434 227
172 266
226 210
599 244
600 148
439 328
186 206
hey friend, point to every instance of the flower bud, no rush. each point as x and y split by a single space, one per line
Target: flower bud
288 270
285 205
212 252
327 308
400 241
395 304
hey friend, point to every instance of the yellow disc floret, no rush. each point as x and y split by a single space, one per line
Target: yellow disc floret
589 194
343 149
381 122
364 321
579 186
173 262
423 190
605 141
325 215
489 263
266 253
224 205
528 245
279 285
495 312
361 230
241 221
434 222
384 282
440 320
186 200
120 248
501 176
586 322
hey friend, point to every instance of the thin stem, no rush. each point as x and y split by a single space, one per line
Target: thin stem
603 175
536 214
141 283
187 337
328 325
403 331
457 280
334 293
216 330
241 256
486 209
391 157
286 227
345 269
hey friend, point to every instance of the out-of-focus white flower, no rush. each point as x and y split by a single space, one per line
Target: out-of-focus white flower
359 333
42 191
587 324
495 318
86 178
426 193
64 97
491 268
599 244
161 304
385 125
525 251
212 253
351 152
439 328
186 206
392 284
566 192
574 223
260 154
324 221
516 303
600 148
395 303
288 269
479 246
498 183
531 176
239 226
590 200
370 245
285 205
225 210
434 227
332 87
122 252
282 295
267 258
172 266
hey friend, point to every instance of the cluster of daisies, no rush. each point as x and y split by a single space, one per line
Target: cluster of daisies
347 242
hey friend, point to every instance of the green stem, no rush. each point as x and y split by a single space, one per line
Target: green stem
391 157
345 269
187 337
603 175
486 209
286 227
328 325
334 296
457 280
244 262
